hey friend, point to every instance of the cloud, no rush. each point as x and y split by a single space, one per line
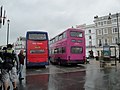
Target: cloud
53 16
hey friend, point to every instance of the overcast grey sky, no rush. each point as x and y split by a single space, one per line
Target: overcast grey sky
53 16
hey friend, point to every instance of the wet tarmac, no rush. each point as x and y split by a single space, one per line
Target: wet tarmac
82 77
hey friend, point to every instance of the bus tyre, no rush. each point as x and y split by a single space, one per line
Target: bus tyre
59 61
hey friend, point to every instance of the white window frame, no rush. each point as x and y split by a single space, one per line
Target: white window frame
105 22
114 40
89 31
114 30
98 32
99 42
105 41
105 31
90 43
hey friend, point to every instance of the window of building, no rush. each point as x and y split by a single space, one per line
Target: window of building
99 42
115 20
89 31
105 22
99 32
90 43
115 30
114 40
96 24
109 22
101 23
90 37
105 31
106 42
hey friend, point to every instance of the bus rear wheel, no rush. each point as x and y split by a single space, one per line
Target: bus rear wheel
59 61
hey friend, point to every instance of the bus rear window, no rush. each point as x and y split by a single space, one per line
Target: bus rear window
73 40
37 51
76 34
37 36
76 50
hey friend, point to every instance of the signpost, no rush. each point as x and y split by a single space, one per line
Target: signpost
109 54
106 51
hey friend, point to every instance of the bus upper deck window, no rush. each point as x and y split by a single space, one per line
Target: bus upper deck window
76 34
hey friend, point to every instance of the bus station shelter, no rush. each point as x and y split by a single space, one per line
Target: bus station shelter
108 56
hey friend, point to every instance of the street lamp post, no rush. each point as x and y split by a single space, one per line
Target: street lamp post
8 25
118 41
118 35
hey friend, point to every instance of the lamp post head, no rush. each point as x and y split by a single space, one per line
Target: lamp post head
109 16
8 20
117 14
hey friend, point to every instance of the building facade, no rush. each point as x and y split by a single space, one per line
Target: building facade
90 37
106 31
20 44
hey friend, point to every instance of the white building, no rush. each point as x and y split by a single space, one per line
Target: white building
19 44
90 36
106 31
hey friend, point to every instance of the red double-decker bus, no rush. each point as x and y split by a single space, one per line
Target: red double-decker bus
37 48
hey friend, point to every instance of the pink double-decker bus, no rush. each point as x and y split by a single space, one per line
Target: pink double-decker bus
68 47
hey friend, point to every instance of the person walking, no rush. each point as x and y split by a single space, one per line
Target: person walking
21 60
10 67
1 65
1 61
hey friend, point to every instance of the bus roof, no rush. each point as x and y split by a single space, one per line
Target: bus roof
68 30
36 32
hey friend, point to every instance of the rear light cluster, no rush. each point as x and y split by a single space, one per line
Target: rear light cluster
84 58
68 57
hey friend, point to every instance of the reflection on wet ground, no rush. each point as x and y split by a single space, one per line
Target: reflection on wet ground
85 77
56 78
67 81
102 78
37 82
